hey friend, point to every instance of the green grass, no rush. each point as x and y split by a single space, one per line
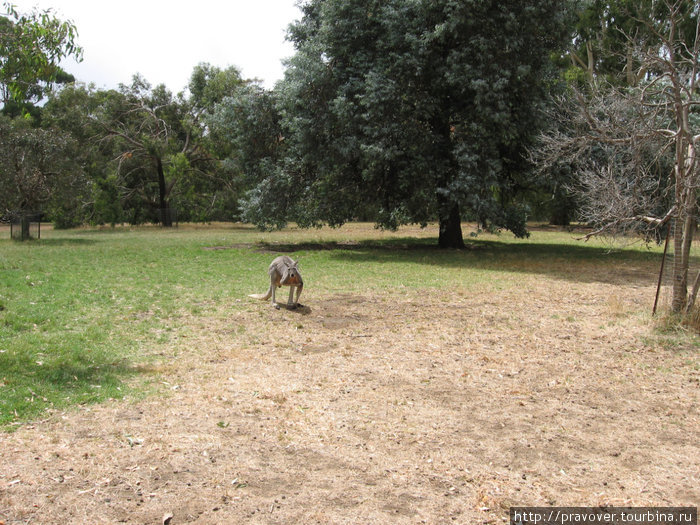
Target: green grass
84 312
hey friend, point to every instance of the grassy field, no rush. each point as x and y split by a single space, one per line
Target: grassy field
83 312
415 385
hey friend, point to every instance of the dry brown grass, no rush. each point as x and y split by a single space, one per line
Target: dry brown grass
414 406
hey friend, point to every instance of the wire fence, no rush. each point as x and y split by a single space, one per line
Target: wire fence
664 295
25 226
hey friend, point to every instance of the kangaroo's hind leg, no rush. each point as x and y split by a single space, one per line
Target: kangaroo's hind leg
299 289
274 301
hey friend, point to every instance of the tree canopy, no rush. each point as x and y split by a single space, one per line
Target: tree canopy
36 167
411 110
31 47
609 36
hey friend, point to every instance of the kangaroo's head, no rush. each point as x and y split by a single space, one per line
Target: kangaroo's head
291 275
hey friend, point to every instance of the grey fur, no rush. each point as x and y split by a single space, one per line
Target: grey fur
283 272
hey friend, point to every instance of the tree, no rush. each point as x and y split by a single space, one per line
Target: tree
31 47
70 109
209 88
36 167
209 85
605 50
415 109
154 140
608 37
636 148
245 131
146 151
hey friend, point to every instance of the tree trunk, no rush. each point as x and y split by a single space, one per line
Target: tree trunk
682 241
24 225
560 216
165 215
693 295
680 275
451 229
448 210
591 62
686 199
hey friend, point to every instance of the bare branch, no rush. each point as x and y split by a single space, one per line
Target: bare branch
634 149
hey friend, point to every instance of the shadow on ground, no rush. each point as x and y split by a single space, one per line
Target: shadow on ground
575 262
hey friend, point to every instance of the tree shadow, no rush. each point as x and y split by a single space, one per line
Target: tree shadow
275 247
37 385
67 241
574 262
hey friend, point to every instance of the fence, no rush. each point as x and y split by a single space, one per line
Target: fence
664 292
25 226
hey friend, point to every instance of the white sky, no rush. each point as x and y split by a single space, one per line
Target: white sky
164 39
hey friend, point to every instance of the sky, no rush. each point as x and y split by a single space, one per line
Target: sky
164 40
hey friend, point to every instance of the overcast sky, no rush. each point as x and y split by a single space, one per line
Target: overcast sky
164 39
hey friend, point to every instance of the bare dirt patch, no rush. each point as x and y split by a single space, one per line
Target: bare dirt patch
421 407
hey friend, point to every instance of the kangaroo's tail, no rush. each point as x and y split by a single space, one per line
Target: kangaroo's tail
262 296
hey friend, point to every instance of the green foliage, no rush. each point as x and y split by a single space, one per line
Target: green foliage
413 110
610 36
145 150
245 130
209 85
31 47
155 144
37 168
70 109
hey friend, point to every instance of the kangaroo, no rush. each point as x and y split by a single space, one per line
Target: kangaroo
283 272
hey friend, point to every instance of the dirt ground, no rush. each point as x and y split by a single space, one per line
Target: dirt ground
413 407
